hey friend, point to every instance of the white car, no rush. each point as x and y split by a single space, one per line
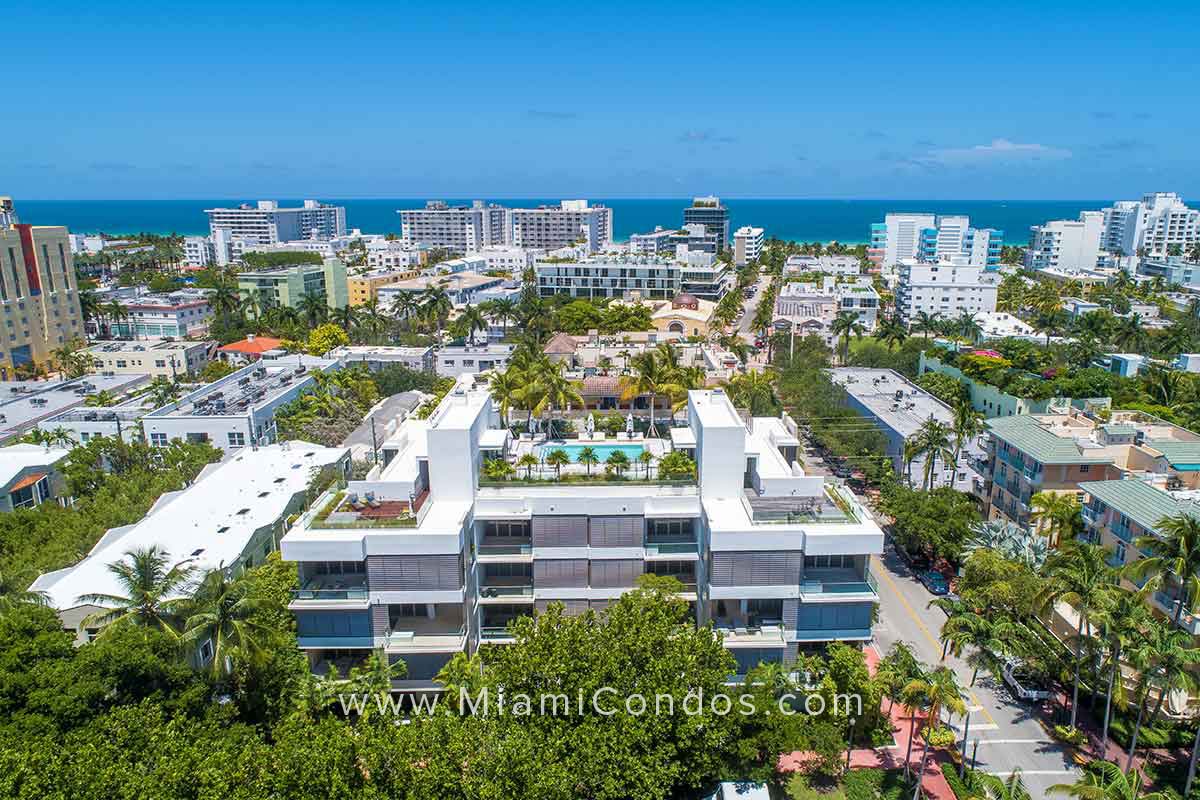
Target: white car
1019 679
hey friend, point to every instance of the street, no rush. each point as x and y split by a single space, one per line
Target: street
384 412
1008 734
745 329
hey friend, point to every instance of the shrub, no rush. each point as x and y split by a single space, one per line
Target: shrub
940 736
1069 735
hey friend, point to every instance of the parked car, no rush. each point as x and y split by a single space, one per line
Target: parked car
915 561
1023 683
935 582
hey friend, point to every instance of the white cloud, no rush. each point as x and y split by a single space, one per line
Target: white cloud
997 150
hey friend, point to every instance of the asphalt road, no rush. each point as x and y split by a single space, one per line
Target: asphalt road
1009 736
748 308
384 412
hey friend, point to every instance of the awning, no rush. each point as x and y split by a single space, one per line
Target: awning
28 480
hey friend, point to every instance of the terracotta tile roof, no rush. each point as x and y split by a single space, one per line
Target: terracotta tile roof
560 344
256 346
601 385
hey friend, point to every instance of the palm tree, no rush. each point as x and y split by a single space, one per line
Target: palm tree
618 461
988 638
968 424
754 391
224 298
588 457
503 309
558 458
1056 515
933 441
1130 334
15 593
527 462
845 325
345 317
152 591
436 303
1121 622
646 458
224 614
891 331
506 389
996 788
101 399
924 323
1103 780
554 391
1079 575
313 307
1173 557
161 392
116 311
471 321
967 326
653 378
71 360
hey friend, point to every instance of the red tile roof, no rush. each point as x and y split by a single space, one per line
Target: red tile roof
256 346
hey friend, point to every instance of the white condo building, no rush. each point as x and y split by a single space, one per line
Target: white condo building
1066 245
931 238
459 229
747 244
945 289
426 557
1152 224
568 223
267 224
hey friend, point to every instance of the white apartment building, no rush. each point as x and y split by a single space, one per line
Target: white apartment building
747 244
513 260
930 238
1152 224
451 362
239 409
657 242
810 308
1069 245
605 276
230 518
826 265
398 256
945 289
177 314
446 558
198 251
552 227
268 224
459 229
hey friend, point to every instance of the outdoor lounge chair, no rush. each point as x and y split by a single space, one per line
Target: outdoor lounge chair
371 501
353 501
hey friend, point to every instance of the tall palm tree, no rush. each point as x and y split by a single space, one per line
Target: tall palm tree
345 317
153 591
436 303
1130 334
933 441
15 593
472 320
993 787
1121 622
507 389
555 391
503 309
1173 557
968 423
845 325
924 323
968 326
313 308
1056 515
1079 575
223 613
116 311
753 390
224 298
587 456
891 332
653 377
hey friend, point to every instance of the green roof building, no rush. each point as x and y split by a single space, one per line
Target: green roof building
286 286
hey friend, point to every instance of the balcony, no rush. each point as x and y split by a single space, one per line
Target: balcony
763 635
1091 516
838 586
829 508
1122 531
504 592
505 552
348 588
434 637
671 548
1187 620
496 635
340 509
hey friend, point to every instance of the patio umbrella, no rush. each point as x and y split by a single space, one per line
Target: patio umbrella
629 423
591 425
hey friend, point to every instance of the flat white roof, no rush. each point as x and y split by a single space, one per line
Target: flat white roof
208 524
714 409
17 457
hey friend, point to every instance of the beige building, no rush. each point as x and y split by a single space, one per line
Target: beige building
363 288
168 359
38 292
686 315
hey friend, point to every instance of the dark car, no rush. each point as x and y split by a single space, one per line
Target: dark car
935 582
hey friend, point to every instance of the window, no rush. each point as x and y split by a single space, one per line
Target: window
158 440
401 610
1084 467
237 439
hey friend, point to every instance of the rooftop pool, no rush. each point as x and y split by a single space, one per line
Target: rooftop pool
603 451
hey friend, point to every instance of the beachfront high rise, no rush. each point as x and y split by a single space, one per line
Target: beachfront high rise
38 292
1152 224
438 548
1066 245
709 212
571 222
459 229
929 238
747 245
265 223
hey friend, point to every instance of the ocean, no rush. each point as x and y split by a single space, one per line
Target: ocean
847 221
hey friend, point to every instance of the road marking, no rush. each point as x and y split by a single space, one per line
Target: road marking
882 572
978 726
1015 741
1025 772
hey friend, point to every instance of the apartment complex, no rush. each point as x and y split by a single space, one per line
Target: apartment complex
177 314
1056 452
929 238
1172 269
945 289
164 358
1152 224
826 265
747 245
265 223
30 475
365 288
610 276
551 227
459 229
287 286
38 292
810 308
443 559
1067 245
709 212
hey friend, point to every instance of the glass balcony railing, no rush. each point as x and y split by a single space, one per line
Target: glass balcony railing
670 548
838 585
494 634
522 590
1122 532
1090 516
358 593
505 549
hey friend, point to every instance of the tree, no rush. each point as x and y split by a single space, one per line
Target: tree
1079 575
326 337
472 320
152 591
588 457
924 323
1056 515
1103 780
101 399
222 613
72 360
1172 556
558 458
161 391
968 424
653 377
503 309
996 788
498 469
676 465
845 325
506 389
619 462
527 462
754 391
933 441
1121 623
314 308
891 331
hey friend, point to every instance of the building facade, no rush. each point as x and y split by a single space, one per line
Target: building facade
287 286
1151 225
156 358
930 238
709 212
747 245
38 292
454 557
365 288
604 276
945 289
459 229
1068 245
176 314
266 223
551 227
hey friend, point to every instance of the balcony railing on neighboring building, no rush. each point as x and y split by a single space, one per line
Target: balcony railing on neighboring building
839 585
330 594
671 548
1187 620
518 590
1122 531
1090 515
505 549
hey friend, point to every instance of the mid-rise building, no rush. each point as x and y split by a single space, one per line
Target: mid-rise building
747 244
606 276
1064 244
502 258
774 559
152 315
656 243
551 227
945 289
31 404
287 286
239 409
456 360
268 224
365 288
810 308
1151 225
376 357
462 287
165 358
198 252
826 265
1172 269
709 212
930 238
396 255
459 229
231 518
38 292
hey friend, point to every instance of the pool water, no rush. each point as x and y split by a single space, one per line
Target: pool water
603 451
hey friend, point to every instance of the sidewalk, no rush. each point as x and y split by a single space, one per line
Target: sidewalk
891 756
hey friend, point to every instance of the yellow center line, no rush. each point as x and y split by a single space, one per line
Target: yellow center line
882 572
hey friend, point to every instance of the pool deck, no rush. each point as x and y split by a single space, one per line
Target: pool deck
656 447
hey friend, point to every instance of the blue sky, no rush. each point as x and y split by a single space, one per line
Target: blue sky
924 101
